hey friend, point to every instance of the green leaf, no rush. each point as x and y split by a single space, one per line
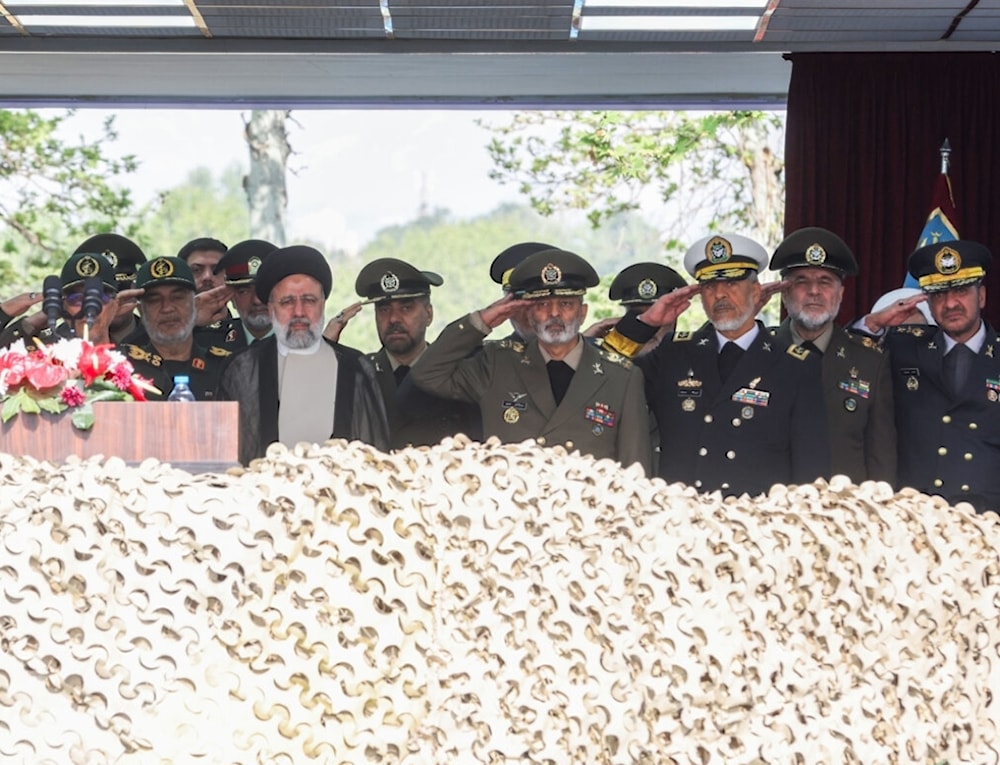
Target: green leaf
83 417
53 405
10 408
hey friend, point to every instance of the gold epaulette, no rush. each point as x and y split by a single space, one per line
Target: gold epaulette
797 352
910 329
141 354
215 350
866 342
683 337
616 341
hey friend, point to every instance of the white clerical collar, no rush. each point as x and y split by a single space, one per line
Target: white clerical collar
284 350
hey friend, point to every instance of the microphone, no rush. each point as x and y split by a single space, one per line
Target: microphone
52 300
93 299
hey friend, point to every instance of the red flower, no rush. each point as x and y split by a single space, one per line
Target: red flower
95 362
72 396
12 368
43 373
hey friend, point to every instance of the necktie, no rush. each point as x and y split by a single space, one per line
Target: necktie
956 366
810 346
729 356
560 376
400 373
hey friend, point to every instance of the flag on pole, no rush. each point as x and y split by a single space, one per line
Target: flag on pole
940 224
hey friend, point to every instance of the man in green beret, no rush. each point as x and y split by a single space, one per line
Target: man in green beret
555 388
167 307
946 378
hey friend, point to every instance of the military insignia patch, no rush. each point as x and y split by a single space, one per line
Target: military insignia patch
161 268
511 416
551 274
947 261
815 254
389 282
752 397
87 266
718 250
198 364
798 352
646 289
253 265
688 404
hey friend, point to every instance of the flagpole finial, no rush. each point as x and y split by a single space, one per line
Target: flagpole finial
945 155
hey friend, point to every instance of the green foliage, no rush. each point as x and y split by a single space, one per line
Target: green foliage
718 170
202 206
54 192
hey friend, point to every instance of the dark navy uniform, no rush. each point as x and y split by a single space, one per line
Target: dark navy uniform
204 369
765 424
857 387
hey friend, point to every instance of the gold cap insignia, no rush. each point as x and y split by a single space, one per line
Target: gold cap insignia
389 282
88 266
947 261
718 250
551 274
646 289
815 254
161 268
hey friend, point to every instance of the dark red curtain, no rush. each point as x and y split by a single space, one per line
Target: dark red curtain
862 155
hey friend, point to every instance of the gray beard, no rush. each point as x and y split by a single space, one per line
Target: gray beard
163 338
814 321
299 340
257 322
731 325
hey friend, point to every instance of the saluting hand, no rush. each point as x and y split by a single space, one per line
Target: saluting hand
337 324
893 315
211 304
18 304
497 313
668 307
767 291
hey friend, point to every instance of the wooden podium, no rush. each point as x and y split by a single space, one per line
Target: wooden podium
198 436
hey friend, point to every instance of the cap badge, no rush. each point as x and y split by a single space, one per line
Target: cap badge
253 264
947 261
646 289
551 274
389 282
161 268
718 250
111 258
88 266
815 255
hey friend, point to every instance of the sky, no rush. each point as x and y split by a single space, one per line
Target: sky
352 172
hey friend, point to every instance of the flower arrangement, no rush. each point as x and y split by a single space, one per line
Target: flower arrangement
69 374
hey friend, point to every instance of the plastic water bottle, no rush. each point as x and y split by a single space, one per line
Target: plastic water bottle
181 390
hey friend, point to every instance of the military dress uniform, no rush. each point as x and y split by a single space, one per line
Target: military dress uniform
204 369
857 387
857 383
949 439
603 411
764 423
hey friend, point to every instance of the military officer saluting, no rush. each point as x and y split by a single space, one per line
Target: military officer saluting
555 388
501 268
857 383
946 378
403 312
240 265
168 313
737 411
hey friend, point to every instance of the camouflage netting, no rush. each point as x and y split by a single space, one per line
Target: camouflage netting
486 604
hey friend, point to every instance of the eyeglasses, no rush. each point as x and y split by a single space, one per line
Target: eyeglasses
287 303
75 299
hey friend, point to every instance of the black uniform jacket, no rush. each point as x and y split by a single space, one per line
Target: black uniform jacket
203 369
765 424
949 441
251 378
857 386
416 418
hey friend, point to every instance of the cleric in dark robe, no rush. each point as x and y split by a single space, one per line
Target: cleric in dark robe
296 386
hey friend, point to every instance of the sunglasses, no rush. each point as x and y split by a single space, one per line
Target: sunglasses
75 299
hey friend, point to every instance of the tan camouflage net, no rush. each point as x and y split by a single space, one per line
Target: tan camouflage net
485 604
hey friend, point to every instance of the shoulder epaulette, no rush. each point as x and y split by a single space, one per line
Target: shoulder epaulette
797 352
215 350
141 354
512 345
915 330
680 337
615 358
866 342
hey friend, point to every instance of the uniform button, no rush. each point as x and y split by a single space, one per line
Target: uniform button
541 440
942 451
968 457
702 451
972 426
569 444
708 418
724 486
965 487
730 455
946 419
697 484
737 422
938 482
